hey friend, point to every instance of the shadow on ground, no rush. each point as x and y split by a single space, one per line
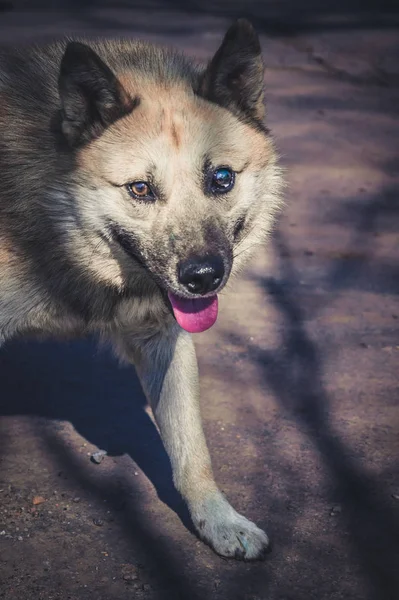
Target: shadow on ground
76 382
295 378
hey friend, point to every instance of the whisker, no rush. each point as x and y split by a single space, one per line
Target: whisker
95 249
246 235
244 250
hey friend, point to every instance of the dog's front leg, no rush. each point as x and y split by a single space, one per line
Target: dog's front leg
167 367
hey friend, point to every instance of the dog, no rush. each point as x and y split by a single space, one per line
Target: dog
134 183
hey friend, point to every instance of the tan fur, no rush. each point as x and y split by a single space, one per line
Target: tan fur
136 141
80 254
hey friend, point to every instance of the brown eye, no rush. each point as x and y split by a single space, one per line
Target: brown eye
140 190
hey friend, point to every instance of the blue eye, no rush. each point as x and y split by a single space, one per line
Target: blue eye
222 180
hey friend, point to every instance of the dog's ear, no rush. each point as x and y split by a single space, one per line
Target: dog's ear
234 76
91 96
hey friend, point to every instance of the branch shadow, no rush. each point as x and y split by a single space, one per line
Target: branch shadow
294 375
161 560
73 381
376 215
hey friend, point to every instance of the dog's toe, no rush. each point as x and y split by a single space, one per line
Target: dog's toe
229 533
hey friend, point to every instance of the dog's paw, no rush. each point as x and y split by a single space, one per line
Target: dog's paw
229 533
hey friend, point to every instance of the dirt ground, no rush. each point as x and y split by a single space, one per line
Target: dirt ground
299 376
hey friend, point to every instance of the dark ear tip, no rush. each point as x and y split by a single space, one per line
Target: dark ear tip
76 54
244 32
76 49
74 45
244 25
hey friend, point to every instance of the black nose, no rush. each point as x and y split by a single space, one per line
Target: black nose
201 275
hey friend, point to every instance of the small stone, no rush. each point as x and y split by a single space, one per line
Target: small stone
38 500
98 522
2 532
76 499
98 457
129 578
20 538
129 573
394 496
336 510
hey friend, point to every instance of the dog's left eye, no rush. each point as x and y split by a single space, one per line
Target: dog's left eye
141 190
223 180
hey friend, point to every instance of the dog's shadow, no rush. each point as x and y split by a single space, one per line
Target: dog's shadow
77 382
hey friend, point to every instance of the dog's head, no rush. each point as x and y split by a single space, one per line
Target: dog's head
176 175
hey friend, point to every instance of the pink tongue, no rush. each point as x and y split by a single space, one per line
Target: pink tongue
194 315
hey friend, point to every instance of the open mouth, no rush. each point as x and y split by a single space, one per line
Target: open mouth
194 315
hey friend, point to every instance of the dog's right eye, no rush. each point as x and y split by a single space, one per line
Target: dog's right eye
140 190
